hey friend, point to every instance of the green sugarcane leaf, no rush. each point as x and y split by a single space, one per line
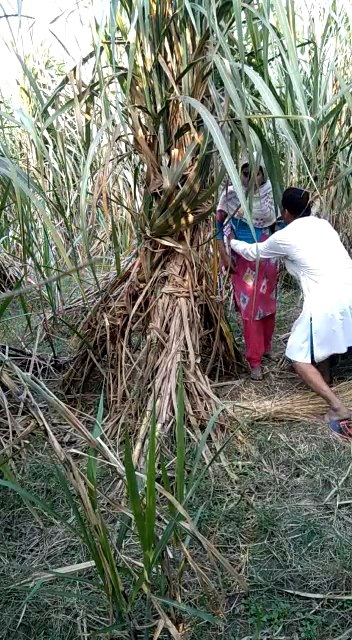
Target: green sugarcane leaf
180 440
92 455
116 246
224 152
196 613
134 497
150 509
40 504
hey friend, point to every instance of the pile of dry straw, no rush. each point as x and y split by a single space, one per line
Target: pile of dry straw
301 405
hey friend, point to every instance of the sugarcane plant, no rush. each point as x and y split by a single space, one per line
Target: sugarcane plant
163 310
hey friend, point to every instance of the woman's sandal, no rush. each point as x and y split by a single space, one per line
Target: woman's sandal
342 428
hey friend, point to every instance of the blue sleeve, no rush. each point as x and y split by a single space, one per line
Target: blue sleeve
219 230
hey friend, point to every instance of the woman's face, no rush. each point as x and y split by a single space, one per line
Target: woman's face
245 176
260 178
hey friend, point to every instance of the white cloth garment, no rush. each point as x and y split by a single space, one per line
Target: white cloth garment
262 205
315 255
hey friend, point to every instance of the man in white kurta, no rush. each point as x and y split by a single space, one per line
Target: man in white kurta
315 255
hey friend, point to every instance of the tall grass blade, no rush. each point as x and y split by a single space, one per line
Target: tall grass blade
133 495
151 492
180 440
197 613
92 453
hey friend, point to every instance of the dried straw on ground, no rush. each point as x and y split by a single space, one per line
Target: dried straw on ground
297 406
10 271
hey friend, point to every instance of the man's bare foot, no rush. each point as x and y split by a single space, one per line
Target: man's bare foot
340 412
256 374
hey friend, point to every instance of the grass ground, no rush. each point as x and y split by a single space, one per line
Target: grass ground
288 539
285 522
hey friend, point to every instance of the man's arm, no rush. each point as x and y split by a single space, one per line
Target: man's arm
271 248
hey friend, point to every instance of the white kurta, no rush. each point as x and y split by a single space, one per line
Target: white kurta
315 255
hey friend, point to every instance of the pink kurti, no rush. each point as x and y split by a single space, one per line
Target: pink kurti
255 289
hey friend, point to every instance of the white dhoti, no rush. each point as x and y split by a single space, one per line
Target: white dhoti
323 329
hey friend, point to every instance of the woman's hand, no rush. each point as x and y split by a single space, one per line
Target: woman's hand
226 263
225 259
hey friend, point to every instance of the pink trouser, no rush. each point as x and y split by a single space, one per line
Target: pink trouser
258 335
